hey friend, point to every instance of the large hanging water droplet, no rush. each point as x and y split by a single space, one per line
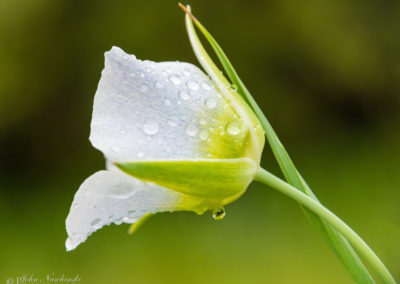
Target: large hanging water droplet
150 128
184 95
219 213
121 191
191 130
193 85
233 128
175 79
211 103
96 224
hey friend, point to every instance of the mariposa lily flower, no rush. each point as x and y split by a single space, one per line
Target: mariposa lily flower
173 140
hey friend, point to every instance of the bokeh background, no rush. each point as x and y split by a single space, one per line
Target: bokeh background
326 73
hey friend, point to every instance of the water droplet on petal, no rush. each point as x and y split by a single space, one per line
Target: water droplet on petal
184 95
96 224
143 88
233 128
219 213
159 85
121 191
150 128
69 244
129 220
211 103
175 79
167 102
203 134
191 130
173 121
193 85
203 121
205 86
141 75
131 213
234 88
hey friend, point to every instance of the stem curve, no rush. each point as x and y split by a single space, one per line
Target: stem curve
361 246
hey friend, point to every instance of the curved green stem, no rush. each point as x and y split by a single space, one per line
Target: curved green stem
364 250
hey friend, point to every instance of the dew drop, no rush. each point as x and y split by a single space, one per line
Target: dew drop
191 130
118 221
203 121
203 134
193 85
234 88
184 95
141 75
129 220
205 86
233 128
131 213
211 103
167 102
150 128
159 85
175 79
121 191
143 88
69 244
96 224
219 213
173 121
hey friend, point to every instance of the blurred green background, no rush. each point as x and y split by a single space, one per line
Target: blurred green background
327 75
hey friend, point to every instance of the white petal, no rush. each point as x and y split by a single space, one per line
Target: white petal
155 111
113 197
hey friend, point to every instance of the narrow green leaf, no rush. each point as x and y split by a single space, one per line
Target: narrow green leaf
338 243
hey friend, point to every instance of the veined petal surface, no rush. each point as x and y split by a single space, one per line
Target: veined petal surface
114 197
159 111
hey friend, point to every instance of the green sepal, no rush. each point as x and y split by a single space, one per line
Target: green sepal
207 178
